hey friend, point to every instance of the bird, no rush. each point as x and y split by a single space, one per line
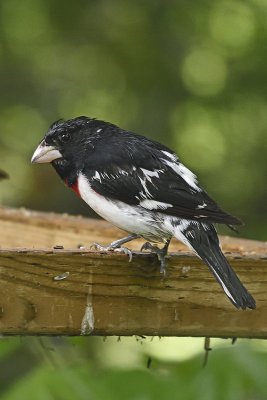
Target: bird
142 187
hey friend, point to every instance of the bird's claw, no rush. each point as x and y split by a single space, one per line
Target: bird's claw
162 269
160 254
111 248
148 246
99 247
126 251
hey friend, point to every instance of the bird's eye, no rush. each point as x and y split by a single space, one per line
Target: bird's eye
65 137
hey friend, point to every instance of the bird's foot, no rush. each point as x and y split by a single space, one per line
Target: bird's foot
161 253
111 247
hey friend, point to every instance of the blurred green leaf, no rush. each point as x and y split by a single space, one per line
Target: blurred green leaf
235 374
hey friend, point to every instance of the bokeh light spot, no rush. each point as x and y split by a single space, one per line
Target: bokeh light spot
25 24
204 72
99 103
198 139
232 25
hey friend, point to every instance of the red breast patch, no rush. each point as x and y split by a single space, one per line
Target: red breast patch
73 187
76 188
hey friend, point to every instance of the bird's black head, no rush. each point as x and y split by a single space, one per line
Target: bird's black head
65 145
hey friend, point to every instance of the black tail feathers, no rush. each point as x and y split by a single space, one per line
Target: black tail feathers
228 279
204 240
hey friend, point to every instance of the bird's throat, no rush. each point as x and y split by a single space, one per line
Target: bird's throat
74 187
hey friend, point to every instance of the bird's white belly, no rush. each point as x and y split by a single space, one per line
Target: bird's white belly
120 214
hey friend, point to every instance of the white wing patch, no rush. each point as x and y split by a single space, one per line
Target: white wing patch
202 205
143 183
122 172
150 174
147 175
154 205
172 157
184 172
97 176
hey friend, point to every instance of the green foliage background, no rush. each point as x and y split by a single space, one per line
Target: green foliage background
191 74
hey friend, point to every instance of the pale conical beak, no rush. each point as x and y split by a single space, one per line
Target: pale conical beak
45 154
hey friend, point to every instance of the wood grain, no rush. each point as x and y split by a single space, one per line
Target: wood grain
104 294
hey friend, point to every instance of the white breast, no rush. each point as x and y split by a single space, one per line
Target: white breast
129 218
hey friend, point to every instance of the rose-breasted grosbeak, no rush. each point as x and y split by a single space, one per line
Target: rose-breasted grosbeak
140 186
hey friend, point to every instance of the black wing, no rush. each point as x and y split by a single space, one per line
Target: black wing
147 174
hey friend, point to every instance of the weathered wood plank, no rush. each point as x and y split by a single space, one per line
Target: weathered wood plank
104 294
